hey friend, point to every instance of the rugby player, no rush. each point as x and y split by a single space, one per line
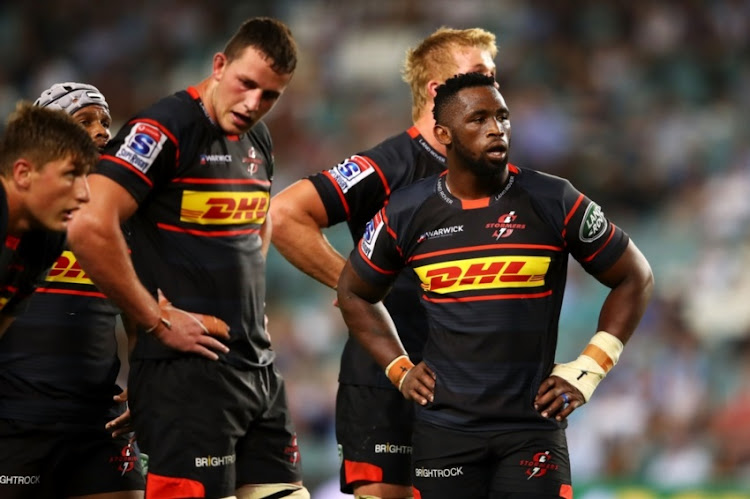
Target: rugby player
373 421
489 242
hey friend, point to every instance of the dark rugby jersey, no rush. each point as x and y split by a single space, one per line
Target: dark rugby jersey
354 191
24 260
493 275
58 360
202 198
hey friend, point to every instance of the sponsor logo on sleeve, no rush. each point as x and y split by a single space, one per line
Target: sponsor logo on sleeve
350 172
594 224
372 230
142 146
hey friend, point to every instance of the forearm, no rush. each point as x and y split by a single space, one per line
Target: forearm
372 326
303 244
626 302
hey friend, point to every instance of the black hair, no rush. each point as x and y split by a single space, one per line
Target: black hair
447 92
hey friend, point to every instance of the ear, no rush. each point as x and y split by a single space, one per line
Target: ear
432 88
219 65
442 134
22 171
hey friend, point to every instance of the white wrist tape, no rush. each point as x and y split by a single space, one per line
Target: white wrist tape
596 360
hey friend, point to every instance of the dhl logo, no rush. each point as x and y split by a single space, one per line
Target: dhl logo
67 269
484 273
224 208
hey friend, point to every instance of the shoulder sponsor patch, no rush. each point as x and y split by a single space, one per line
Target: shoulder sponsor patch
350 172
594 224
372 230
142 146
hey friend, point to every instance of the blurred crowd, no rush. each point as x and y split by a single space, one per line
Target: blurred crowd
639 104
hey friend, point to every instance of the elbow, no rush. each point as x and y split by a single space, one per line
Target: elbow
647 282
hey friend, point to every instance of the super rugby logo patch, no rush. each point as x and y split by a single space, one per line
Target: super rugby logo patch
142 146
372 230
594 224
350 172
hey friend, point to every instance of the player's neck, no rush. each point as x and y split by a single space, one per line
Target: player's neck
17 221
205 90
466 185
425 124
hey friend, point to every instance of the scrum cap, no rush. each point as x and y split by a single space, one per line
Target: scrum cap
71 96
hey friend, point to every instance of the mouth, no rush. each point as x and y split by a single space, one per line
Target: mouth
68 214
497 150
243 120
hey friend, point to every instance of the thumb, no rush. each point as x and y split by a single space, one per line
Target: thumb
163 302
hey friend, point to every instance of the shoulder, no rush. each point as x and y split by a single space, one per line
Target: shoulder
407 199
540 184
260 134
173 113
396 149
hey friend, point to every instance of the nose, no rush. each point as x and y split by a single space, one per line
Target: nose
496 127
101 131
252 99
81 189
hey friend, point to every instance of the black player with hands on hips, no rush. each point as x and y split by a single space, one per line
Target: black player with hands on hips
370 414
192 175
489 242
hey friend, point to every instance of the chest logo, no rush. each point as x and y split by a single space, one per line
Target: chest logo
505 225
484 273
224 208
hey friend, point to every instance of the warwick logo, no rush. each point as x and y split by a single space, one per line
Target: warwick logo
441 232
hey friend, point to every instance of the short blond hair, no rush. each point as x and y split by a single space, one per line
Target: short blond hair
433 59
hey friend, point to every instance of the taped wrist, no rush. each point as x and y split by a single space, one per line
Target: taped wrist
596 360
398 369
162 320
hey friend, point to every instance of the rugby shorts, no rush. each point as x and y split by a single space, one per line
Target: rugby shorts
45 461
450 463
373 430
208 427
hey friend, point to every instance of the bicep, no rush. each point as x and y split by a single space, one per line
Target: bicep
631 264
300 201
351 284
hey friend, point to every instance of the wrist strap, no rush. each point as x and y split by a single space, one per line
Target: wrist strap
162 320
397 370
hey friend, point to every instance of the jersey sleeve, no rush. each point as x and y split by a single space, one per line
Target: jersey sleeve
377 257
144 153
592 239
358 187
